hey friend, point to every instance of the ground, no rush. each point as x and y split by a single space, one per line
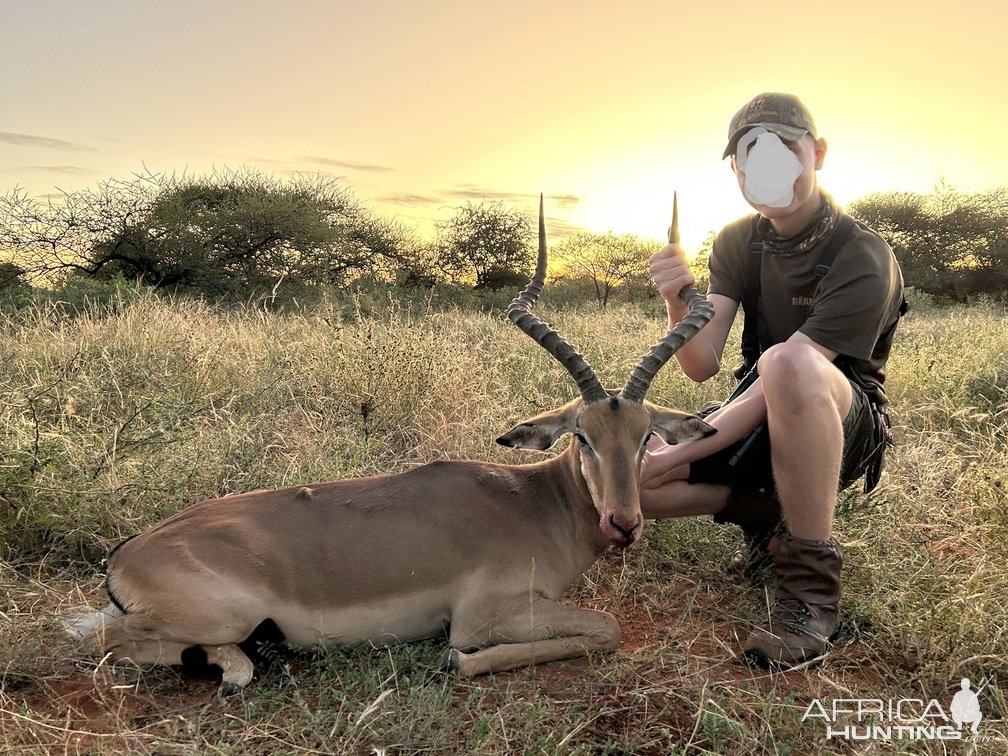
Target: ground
676 672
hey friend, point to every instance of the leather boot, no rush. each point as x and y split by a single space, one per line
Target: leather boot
804 614
758 513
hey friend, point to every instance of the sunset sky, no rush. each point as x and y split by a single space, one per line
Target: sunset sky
606 107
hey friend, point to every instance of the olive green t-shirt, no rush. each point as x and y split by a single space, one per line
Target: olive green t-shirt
851 307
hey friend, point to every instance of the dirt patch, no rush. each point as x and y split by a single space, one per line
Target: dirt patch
702 624
97 713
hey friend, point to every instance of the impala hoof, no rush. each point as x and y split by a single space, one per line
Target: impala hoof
228 689
450 660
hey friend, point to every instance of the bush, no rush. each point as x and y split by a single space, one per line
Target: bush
950 244
486 243
236 234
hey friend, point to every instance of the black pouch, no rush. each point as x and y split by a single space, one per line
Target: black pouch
882 440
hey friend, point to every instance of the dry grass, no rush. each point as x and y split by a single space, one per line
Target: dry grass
113 419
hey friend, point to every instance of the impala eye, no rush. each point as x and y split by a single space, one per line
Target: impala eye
582 440
643 444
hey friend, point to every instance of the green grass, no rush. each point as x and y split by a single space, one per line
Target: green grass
117 415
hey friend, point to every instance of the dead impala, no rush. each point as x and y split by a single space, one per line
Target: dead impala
481 552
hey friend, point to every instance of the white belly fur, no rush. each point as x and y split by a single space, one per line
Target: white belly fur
391 620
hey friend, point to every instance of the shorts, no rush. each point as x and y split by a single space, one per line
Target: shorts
746 464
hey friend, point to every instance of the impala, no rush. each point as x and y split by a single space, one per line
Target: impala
476 551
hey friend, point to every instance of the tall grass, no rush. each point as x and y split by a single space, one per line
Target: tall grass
117 415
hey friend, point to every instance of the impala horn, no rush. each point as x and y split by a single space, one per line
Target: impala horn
520 313
700 313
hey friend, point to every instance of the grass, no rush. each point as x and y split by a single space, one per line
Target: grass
115 416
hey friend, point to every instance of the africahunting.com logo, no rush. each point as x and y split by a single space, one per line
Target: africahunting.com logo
902 719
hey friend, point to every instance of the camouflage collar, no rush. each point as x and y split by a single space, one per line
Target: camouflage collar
819 227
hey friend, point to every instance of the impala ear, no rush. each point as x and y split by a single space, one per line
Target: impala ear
678 427
542 431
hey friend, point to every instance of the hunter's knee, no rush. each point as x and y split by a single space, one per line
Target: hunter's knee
793 374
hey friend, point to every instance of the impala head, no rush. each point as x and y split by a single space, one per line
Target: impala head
610 427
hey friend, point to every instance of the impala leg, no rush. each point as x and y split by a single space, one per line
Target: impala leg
237 667
542 631
150 652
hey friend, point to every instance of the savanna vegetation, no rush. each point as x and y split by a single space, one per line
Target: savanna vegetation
120 413
236 235
951 244
136 383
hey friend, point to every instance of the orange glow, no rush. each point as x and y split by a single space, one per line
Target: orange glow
606 108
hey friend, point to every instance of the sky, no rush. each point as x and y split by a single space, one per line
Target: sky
607 108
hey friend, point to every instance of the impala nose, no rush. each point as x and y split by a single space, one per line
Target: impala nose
624 529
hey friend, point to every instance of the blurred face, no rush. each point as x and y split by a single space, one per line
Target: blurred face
810 154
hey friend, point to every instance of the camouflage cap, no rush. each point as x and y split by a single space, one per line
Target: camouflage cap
783 114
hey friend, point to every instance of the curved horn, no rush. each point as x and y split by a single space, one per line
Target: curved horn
520 313
700 313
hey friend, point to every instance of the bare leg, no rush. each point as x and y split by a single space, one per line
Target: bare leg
678 498
807 400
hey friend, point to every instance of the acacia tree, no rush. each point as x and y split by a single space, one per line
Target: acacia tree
229 233
950 243
487 242
609 261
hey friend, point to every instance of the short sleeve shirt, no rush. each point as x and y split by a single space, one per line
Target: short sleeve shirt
850 307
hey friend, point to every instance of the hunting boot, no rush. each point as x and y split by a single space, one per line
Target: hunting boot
758 513
804 613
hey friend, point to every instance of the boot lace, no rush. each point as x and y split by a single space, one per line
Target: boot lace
794 616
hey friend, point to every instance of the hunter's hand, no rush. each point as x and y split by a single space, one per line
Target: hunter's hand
670 272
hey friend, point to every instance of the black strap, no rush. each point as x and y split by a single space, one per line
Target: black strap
753 286
750 302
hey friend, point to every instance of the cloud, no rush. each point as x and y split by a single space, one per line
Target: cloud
53 198
351 165
406 198
29 140
474 192
565 201
245 158
443 200
68 170
558 228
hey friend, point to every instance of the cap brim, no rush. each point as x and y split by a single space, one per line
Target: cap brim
785 132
